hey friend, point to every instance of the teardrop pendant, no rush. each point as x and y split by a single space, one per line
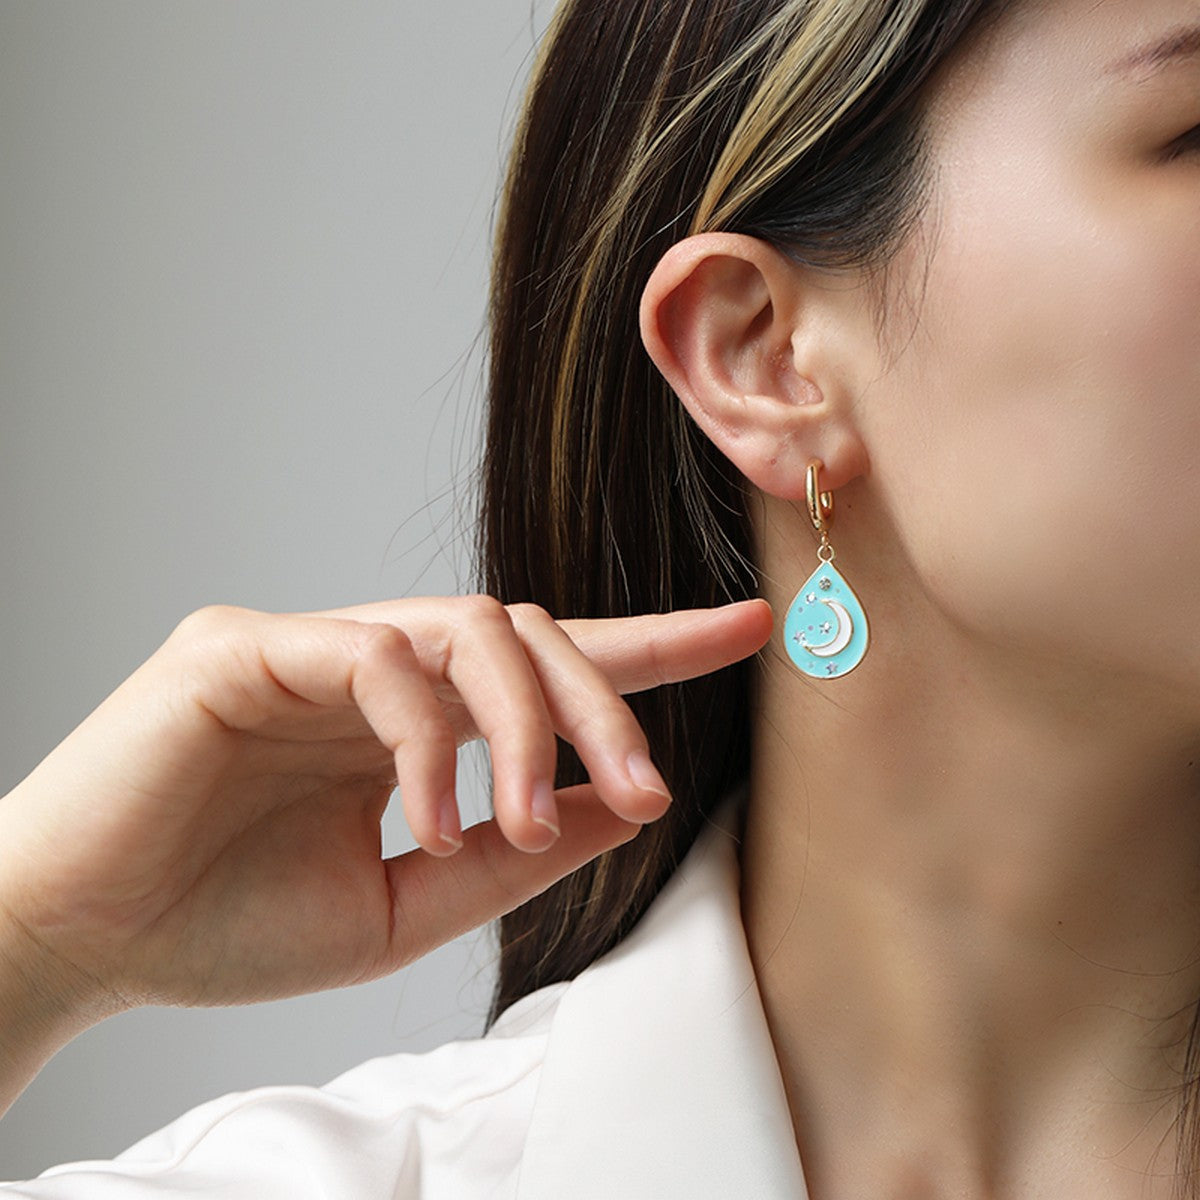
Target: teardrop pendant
826 631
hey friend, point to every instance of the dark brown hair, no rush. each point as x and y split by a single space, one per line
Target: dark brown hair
796 121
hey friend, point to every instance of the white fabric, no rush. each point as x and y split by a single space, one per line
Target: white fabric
650 1076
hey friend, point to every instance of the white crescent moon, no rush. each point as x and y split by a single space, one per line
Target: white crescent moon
844 634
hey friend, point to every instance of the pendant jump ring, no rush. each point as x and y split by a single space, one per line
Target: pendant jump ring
820 504
826 553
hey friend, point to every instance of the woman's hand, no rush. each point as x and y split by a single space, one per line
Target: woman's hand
211 833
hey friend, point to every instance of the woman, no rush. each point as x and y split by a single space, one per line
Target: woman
918 287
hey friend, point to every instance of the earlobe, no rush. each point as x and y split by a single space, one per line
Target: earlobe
729 323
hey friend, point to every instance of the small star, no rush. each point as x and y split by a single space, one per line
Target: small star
799 638
811 597
832 668
826 627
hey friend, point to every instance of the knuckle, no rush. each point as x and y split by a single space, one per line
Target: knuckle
208 620
495 864
410 938
656 666
528 733
433 734
604 723
528 613
384 641
482 607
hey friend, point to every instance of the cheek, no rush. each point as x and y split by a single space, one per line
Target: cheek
1039 434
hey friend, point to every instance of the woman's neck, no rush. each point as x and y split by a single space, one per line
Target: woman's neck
970 894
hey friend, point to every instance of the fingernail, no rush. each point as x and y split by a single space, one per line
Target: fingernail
449 828
543 809
642 772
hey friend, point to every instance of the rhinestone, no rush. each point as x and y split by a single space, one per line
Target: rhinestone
811 597
826 584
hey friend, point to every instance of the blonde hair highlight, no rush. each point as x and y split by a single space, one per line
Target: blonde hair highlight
817 58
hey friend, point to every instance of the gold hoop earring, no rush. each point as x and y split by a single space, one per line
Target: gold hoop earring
826 632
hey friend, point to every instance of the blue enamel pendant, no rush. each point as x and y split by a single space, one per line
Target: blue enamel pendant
826 630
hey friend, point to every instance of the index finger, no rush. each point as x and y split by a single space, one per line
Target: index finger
646 651
636 653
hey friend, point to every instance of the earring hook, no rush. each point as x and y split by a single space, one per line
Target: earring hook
820 504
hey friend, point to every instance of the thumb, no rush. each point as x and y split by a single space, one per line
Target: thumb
438 899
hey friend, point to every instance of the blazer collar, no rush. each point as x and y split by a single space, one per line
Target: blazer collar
660 1078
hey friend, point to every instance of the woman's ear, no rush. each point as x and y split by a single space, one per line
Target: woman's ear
752 346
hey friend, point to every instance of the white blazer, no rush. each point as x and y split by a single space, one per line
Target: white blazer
650 1076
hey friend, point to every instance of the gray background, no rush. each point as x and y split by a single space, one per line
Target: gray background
243 254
